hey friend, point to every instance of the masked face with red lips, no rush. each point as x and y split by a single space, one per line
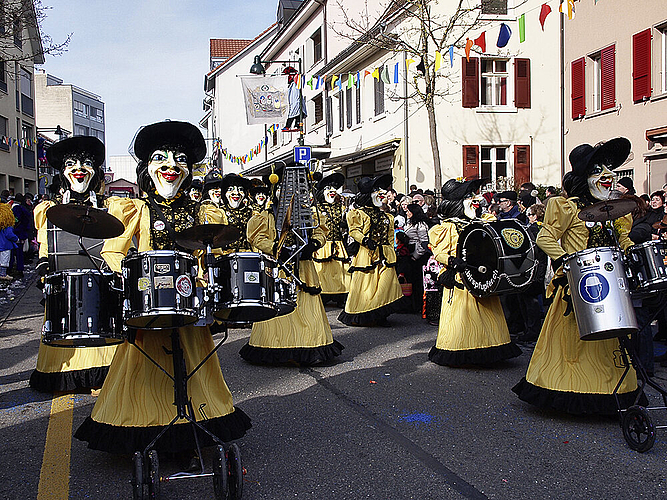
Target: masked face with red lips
261 199
378 197
168 169
600 181
215 195
79 172
234 196
470 206
330 193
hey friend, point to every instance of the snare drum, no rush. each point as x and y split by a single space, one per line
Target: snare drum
159 290
244 287
285 296
600 293
648 266
500 257
82 309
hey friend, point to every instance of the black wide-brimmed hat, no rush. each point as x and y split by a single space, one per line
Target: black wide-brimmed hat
611 153
335 180
212 179
382 182
235 180
169 133
258 186
455 190
73 146
196 184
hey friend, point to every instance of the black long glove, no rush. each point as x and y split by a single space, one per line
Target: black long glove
369 243
456 263
307 252
447 279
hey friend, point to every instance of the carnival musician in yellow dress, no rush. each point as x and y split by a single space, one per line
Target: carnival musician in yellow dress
79 160
137 398
566 373
472 330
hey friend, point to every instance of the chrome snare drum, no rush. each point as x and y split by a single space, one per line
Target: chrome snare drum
159 290
244 287
82 309
648 266
600 293
499 255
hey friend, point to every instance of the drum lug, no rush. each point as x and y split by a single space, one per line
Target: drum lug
146 266
90 324
47 326
177 264
178 301
147 300
235 264
236 293
90 282
62 324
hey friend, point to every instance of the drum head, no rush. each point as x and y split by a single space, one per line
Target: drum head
477 248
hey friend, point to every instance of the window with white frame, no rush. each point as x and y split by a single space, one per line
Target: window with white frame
341 109
80 130
80 109
378 86
316 40
494 82
596 60
318 109
663 58
493 163
358 103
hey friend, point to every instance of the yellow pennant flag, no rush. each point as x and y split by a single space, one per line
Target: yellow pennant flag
408 63
376 73
438 60
570 8
333 81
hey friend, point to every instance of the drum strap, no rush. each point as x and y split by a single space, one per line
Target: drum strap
160 214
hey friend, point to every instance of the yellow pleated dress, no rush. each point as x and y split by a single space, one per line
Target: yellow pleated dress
137 398
471 331
65 369
302 336
374 288
566 373
331 261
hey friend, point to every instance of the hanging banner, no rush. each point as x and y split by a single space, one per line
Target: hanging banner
265 99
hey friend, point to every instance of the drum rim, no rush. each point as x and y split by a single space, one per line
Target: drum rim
648 244
80 272
159 253
591 250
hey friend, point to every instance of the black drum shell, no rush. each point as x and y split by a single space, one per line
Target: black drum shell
82 309
159 290
285 296
648 266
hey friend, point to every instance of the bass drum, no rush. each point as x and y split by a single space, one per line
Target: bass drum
600 293
82 309
500 257
648 266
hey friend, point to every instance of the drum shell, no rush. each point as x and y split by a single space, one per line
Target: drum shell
159 290
245 287
82 309
285 296
500 258
600 293
648 266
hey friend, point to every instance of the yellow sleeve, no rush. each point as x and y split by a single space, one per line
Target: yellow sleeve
390 233
210 214
623 225
39 215
321 232
443 239
128 212
557 219
261 231
359 224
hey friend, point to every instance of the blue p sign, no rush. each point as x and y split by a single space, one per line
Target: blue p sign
301 154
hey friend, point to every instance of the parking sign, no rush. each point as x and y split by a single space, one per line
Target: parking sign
301 154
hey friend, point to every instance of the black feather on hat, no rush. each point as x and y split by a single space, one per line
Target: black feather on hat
212 180
611 153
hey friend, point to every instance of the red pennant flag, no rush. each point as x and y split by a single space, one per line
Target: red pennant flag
480 41
544 13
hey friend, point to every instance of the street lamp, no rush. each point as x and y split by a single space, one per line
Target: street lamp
257 68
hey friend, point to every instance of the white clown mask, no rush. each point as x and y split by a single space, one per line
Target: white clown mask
600 182
330 193
168 169
195 194
215 194
470 206
378 197
235 195
79 172
261 199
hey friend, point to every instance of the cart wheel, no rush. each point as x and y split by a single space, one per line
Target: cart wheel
138 477
153 475
638 429
235 472
220 473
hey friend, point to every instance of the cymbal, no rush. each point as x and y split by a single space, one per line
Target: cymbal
200 236
607 210
84 220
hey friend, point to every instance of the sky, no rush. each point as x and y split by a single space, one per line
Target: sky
146 59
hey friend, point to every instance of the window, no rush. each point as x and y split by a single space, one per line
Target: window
641 65
96 114
341 110
378 86
3 76
99 134
358 103
80 130
348 106
26 92
493 163
329 112
663 59
18 32
80 109
494 82
604 85
316 40
4 132
28 139
495 7
578 88
318 106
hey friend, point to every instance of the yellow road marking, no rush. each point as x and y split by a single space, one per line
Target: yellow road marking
54 476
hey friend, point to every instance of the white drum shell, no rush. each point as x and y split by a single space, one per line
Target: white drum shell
600 293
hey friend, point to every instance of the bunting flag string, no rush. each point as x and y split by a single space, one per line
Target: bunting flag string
28 143
219 150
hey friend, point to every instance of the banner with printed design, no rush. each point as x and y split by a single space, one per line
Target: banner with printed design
265 99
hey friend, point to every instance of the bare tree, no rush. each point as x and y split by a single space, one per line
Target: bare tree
21 37
418 28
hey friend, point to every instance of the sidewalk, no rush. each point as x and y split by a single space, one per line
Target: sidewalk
11 292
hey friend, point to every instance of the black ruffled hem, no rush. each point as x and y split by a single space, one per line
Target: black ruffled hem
312 290
330 259
334 297
372 318
305 356
68 381
576 403
371 267
127 440
481 356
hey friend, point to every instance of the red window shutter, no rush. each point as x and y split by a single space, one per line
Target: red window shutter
470 82
578 88
470 162
521 164
522 83
641 65
608 77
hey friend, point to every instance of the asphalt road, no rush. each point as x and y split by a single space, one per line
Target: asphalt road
381 423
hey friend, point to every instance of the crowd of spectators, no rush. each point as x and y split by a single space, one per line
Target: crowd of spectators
23 247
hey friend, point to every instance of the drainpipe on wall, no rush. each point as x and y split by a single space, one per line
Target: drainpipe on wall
406 156
562 97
